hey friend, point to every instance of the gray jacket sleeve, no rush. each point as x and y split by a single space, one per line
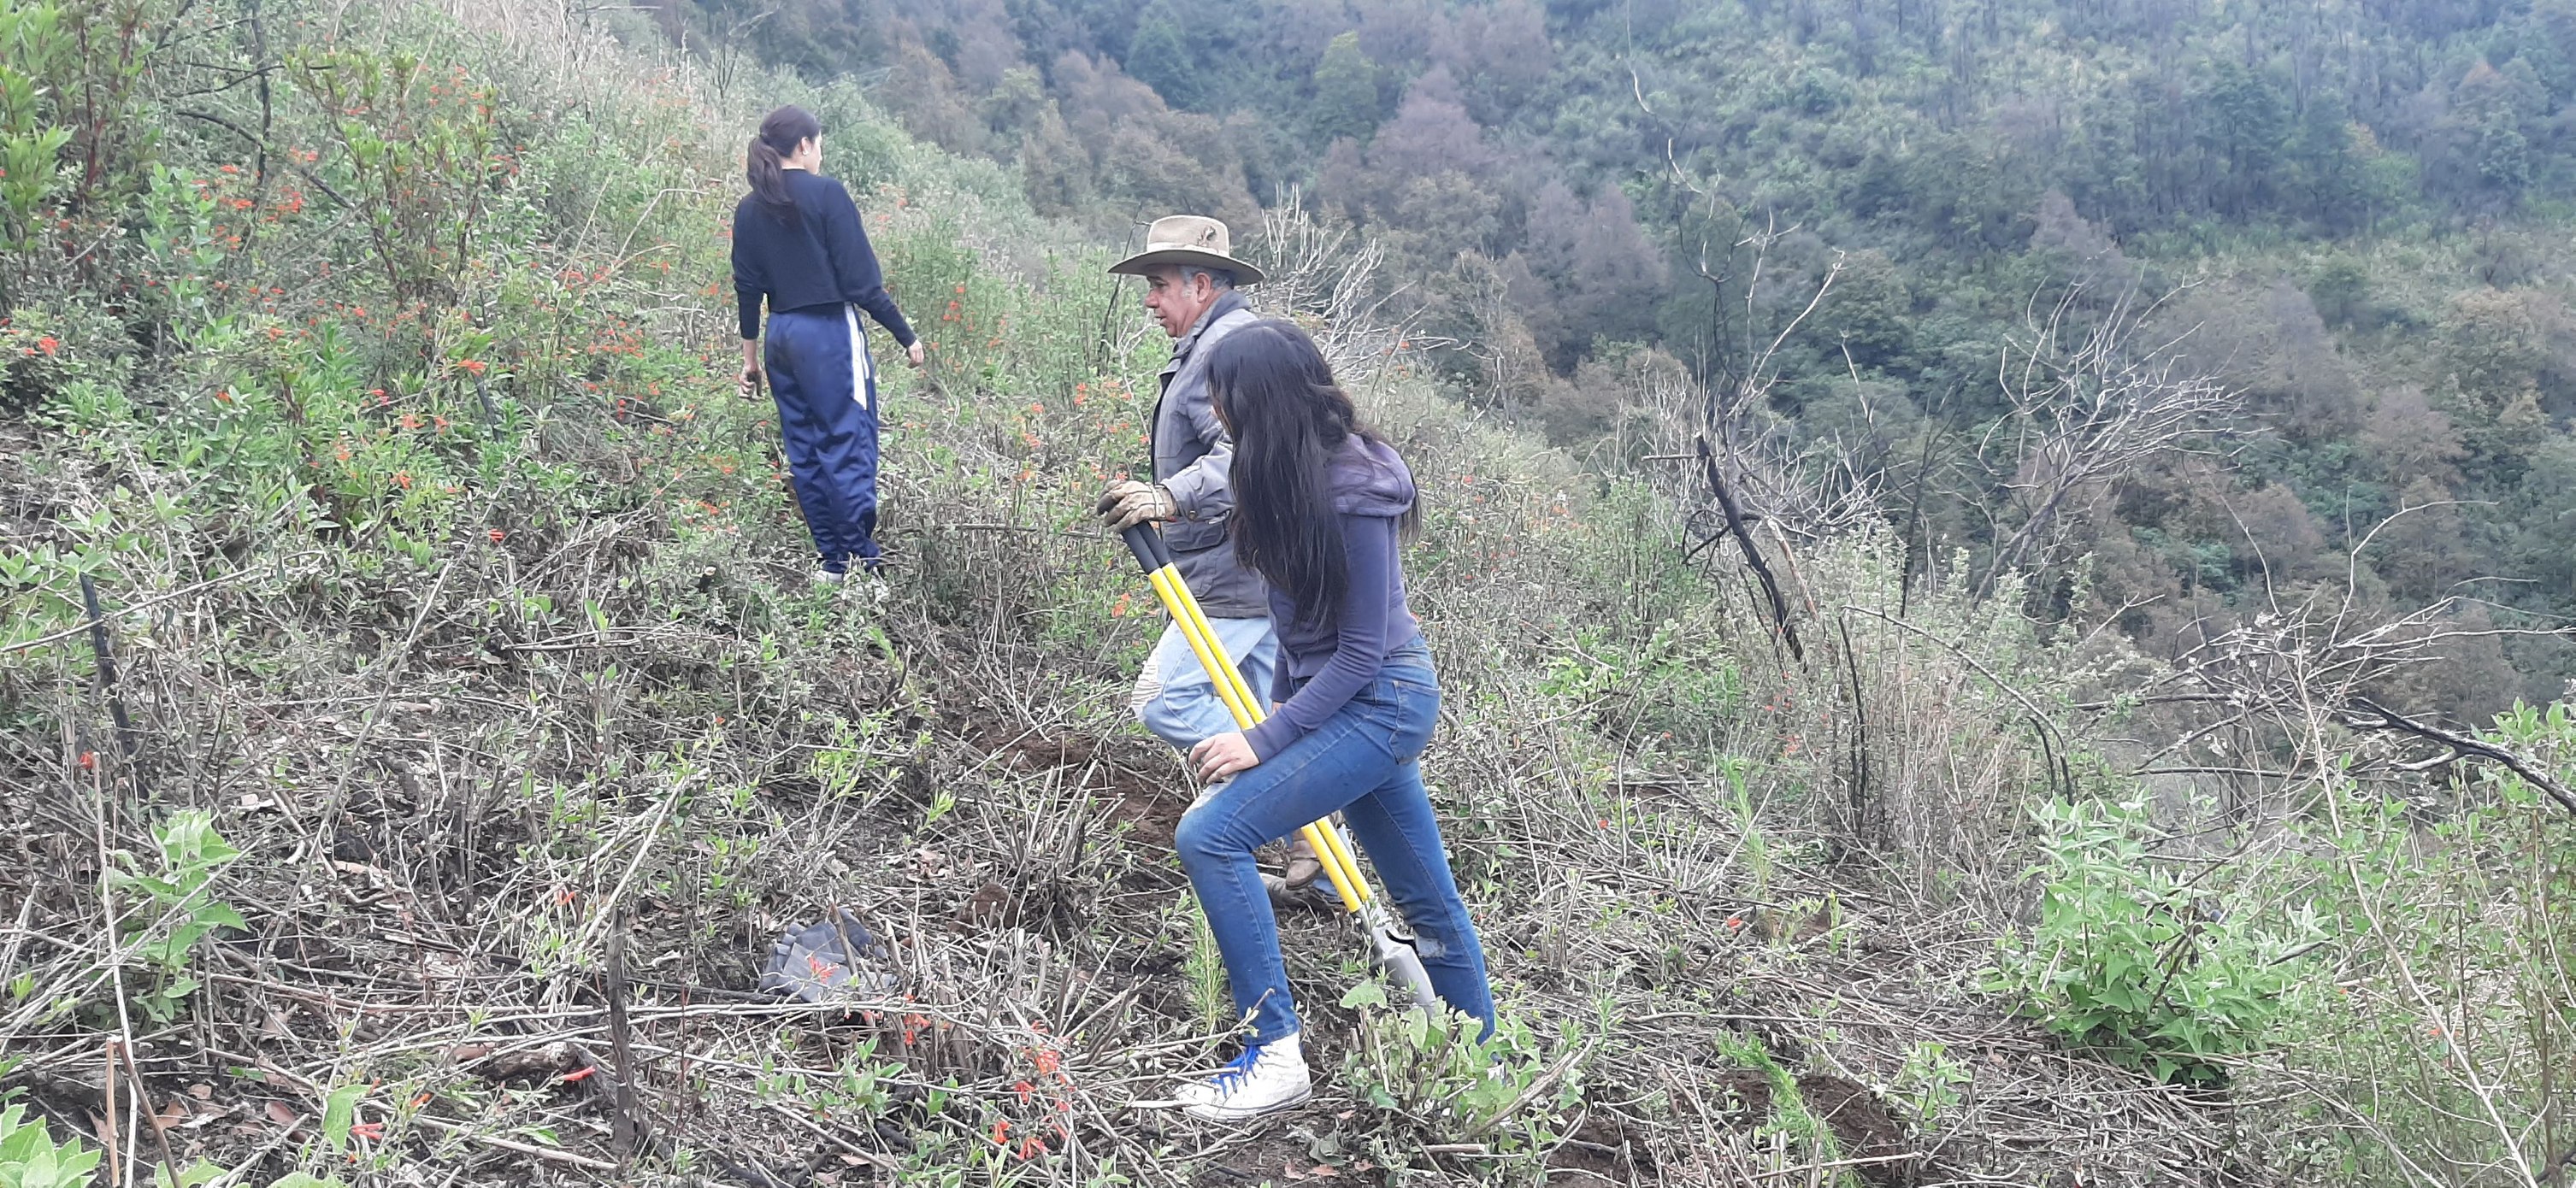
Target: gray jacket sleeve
1202 490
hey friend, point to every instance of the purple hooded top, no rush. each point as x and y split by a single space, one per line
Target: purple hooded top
1322 665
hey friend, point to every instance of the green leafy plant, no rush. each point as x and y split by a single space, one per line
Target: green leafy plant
34 45
2146 967
179 906
1431 1072
419 145
1929 1081
30 1158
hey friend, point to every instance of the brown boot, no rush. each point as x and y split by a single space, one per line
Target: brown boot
1303 865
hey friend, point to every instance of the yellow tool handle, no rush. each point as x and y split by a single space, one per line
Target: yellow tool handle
1327 842
1320 837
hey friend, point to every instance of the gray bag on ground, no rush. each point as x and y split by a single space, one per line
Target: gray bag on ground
820 962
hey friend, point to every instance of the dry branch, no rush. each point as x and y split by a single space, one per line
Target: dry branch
2091 405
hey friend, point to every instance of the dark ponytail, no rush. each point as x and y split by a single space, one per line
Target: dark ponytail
1289 418
780 133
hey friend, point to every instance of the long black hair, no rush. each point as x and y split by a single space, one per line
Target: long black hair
1272 388
780 133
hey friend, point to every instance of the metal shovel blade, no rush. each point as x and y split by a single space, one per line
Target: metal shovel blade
1396 957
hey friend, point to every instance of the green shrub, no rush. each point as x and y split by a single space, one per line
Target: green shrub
178 907
1432 1076
2129 959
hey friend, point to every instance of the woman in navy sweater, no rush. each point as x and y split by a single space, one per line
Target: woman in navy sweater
1321 504
798 243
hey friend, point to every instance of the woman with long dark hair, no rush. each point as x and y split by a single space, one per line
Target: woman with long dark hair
1321 504
799 244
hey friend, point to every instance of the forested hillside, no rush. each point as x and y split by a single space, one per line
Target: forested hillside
2352 212
1918 708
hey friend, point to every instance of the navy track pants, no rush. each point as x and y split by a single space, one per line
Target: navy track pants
826 389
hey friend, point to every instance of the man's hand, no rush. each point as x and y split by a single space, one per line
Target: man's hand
1125 505
912 354
751 381
1222 756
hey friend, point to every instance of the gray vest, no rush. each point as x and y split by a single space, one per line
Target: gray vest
1193 457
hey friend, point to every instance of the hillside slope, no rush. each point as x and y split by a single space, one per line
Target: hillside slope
2364 200
471 727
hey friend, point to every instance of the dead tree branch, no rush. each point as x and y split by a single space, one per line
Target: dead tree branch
2090 405
2367 714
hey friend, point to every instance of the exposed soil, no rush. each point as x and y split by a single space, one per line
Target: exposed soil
1863 1128
1601 1149
1140 791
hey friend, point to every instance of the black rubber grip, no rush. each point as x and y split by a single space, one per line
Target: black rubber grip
1146 541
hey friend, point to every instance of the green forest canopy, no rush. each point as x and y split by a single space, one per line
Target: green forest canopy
2356 208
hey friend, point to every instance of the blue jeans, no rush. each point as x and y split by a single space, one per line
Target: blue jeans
1364 761
826 389
1174 697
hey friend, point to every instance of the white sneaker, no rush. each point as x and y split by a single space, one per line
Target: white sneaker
1267 1078
826 577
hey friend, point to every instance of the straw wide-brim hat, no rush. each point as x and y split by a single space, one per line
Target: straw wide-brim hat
1188 239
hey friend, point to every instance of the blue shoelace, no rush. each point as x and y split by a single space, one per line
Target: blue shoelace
1231 1076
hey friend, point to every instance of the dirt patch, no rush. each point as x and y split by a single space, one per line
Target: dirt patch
1863 1128
1861 1124
1274 1158
1140 793
1751 1090
1603 1148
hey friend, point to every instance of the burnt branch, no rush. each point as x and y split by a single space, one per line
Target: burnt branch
1724 493
2367 714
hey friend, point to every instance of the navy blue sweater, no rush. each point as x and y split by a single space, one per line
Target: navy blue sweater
1323 665
820 258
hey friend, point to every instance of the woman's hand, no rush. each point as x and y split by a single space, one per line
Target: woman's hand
751 374
1222 756
912 354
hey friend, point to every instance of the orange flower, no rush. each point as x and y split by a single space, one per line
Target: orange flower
47 344
1001 1131
497 535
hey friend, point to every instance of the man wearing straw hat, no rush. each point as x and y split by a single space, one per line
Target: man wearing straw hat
1190 277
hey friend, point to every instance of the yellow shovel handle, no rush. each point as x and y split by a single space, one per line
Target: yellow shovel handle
1326 841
